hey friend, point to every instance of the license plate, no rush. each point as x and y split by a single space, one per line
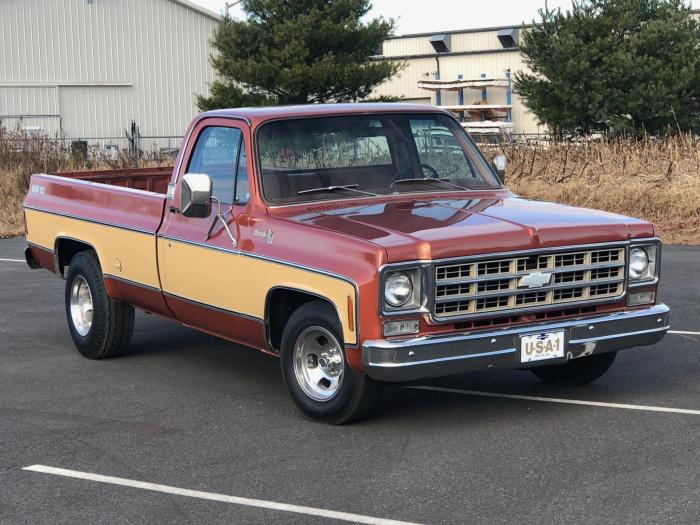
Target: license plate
541 346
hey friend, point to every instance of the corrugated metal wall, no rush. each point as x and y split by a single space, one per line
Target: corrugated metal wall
102 64
34 107
483 54
420 45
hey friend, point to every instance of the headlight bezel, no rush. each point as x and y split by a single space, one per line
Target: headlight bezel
650 276
416 301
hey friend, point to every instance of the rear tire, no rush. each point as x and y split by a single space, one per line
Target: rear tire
578 372
100 326
316 371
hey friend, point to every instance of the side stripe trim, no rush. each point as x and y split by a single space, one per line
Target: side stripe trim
185 299
286 263
130 282
94 221
261 257
217 248
195 243
214 308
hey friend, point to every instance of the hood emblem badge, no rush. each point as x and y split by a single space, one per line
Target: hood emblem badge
534 280
268 235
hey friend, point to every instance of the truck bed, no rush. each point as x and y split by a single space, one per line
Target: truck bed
154 179
115 212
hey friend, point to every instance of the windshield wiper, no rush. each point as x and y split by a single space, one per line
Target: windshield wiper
430 180
348 187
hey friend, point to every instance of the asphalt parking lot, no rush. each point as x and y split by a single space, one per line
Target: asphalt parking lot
192 413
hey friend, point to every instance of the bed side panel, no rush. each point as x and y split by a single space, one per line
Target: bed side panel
114 205
119 223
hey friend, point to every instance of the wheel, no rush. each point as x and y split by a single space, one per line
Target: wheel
100 327
316 371
580 371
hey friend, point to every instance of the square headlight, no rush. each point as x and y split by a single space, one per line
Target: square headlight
401 289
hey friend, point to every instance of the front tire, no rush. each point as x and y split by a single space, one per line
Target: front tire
578 372
316 371
100 326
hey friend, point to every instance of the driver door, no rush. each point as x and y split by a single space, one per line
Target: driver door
198 259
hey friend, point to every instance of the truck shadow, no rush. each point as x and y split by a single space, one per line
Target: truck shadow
230 367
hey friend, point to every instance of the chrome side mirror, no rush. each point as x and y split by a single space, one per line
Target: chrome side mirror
195 195
500 163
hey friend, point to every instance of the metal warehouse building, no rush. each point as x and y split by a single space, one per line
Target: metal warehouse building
466 70
88 68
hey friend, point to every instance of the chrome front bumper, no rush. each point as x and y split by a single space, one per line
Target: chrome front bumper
436 356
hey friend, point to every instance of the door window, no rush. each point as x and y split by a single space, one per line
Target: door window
216 154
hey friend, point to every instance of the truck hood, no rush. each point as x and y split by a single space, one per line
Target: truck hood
434 228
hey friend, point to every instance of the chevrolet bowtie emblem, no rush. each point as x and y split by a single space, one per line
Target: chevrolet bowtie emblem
534 280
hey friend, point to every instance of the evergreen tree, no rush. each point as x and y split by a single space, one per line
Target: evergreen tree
617 66
298 52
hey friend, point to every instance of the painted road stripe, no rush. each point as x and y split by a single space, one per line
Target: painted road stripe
680 332
13 260
259 503
557 400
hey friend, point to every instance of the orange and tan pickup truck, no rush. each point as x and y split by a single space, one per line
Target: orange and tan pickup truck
360 243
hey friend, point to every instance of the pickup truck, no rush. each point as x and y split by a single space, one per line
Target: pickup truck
360 243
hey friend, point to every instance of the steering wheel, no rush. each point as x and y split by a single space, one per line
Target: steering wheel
433 175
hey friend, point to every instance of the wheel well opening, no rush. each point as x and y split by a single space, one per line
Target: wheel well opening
281 304
66 249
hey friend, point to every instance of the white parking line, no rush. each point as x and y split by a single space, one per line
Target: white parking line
681 332
259 503
13 260
557 400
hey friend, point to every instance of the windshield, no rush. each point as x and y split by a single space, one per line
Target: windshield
313 159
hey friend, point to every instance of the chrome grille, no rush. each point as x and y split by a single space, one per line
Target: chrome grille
482 286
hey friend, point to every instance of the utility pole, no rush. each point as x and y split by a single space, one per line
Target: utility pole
229 5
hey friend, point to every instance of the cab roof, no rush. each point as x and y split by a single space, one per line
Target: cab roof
257 115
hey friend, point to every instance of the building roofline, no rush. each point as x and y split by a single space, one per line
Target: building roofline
202 10
478 30
461 31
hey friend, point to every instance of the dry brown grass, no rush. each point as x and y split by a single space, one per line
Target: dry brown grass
20 156
653 179
13 189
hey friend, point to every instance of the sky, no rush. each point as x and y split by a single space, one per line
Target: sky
424 16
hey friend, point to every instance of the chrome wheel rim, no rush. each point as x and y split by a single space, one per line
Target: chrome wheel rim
81 305
318 363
